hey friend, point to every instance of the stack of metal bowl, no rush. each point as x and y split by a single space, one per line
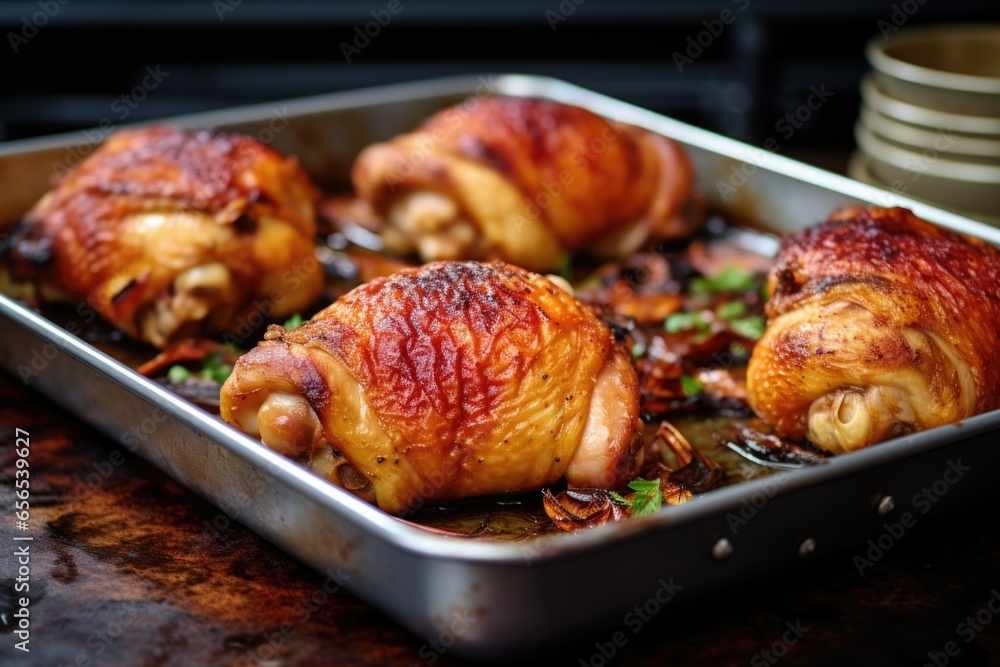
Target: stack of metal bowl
930 118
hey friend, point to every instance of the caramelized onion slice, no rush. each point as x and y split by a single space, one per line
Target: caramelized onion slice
577 509
696 474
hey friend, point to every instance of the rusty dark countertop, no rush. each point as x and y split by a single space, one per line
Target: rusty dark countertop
127 569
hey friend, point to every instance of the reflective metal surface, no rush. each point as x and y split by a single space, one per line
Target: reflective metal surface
497 600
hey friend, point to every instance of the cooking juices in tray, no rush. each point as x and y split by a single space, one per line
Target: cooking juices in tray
687 312
195 242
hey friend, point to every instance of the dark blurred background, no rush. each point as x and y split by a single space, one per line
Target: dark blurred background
68 65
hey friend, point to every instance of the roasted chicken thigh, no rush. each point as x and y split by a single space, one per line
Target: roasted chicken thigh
879 324
443 382
526 181
168 233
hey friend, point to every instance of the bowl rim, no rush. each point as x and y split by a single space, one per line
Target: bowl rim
875 50
888 127
941 168
887 105
859 168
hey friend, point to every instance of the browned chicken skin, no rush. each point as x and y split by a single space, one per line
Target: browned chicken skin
169 233
447 381
879 324
526 181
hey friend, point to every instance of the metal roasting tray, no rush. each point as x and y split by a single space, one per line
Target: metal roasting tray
501 600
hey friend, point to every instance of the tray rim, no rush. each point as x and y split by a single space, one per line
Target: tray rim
532 85
503 553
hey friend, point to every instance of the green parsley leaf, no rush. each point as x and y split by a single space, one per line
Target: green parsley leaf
749 327
565 267
177 374
691 386
730 310
233 349
685 322
213 368
217 374
222 372
738 350
293 322
638 349
647 499
730 279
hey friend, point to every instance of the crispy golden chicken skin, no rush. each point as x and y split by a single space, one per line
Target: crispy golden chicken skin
526 180
879 324
447 381
170 233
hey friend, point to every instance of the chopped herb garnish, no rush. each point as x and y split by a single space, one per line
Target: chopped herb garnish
293 322
177 374
749 327
233 349
222 372
738 350
685 322
213 368
565 267
730 310
638 349
691 386
647 497
731 279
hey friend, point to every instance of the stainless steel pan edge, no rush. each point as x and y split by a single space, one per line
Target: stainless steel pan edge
806 192
516 598
815 193
521 596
